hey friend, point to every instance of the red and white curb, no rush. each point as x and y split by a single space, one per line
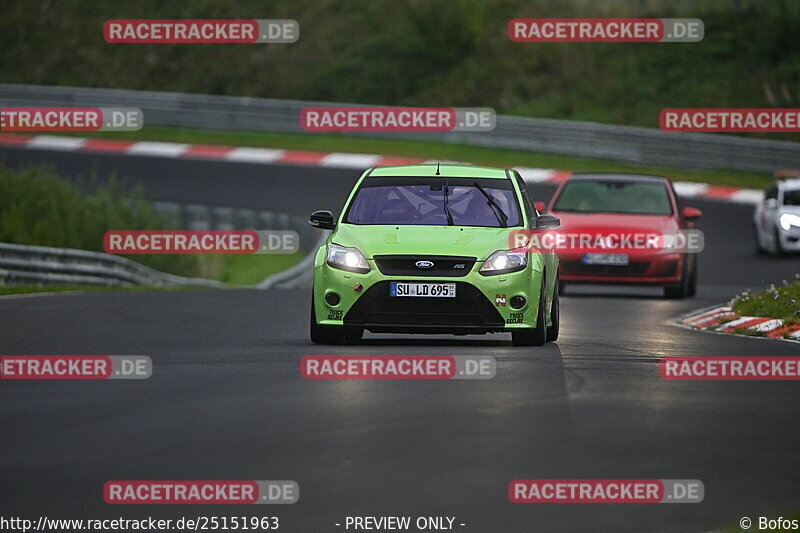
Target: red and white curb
685 189
722 319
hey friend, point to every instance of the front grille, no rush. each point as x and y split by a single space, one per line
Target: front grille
378 311
443 265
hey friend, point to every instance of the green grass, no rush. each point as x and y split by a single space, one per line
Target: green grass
246 269
777 302
431 150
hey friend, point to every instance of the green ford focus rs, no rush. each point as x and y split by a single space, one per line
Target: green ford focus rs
427 249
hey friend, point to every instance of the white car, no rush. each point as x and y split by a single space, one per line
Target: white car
776 220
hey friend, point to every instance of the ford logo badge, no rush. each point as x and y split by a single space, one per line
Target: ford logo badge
424 264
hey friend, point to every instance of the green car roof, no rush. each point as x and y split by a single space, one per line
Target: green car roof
453 171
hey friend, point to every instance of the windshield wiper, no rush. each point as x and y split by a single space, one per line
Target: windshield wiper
447 212
502 218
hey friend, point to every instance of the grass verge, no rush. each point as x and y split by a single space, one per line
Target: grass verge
777 302
37 207
431 150
246 269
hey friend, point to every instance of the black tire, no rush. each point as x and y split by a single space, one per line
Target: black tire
533 336
681 289
332 334
693 277
353 335
779 251
562 287
760 250
555 315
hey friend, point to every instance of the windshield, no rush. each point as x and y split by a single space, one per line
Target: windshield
478 202
628 197
791 197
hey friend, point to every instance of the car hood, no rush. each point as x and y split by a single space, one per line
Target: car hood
791 209
423 240
610 222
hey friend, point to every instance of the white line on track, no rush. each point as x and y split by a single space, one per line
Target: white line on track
689 189
254 155
338 159
157 149
54 142
535 175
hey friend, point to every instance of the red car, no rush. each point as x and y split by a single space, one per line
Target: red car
610 205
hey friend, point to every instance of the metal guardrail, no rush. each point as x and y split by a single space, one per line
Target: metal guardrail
43 265
301 274
621 143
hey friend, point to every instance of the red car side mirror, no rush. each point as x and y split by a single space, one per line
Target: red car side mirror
691 213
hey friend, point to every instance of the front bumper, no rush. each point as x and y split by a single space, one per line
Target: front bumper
790 239
482 303
650 269
469 311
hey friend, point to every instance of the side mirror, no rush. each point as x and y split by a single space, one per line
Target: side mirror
548 222
322 220
539 206
771 203
691 213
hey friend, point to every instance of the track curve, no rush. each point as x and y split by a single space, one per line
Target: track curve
226 400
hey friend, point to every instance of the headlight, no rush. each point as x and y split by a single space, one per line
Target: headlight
503 262
788 220
349 259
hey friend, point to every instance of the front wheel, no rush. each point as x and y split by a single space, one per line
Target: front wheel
682 289
678 292
533 336
779 251
760 250
692 290
562 286
555 315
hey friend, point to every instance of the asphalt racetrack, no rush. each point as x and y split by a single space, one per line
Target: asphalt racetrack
226 399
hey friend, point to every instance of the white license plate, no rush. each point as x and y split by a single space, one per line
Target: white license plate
429 290
606 259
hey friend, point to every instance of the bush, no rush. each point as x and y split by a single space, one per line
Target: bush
424 52
39 208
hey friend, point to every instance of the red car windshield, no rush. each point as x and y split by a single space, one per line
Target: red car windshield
435 202
626 197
